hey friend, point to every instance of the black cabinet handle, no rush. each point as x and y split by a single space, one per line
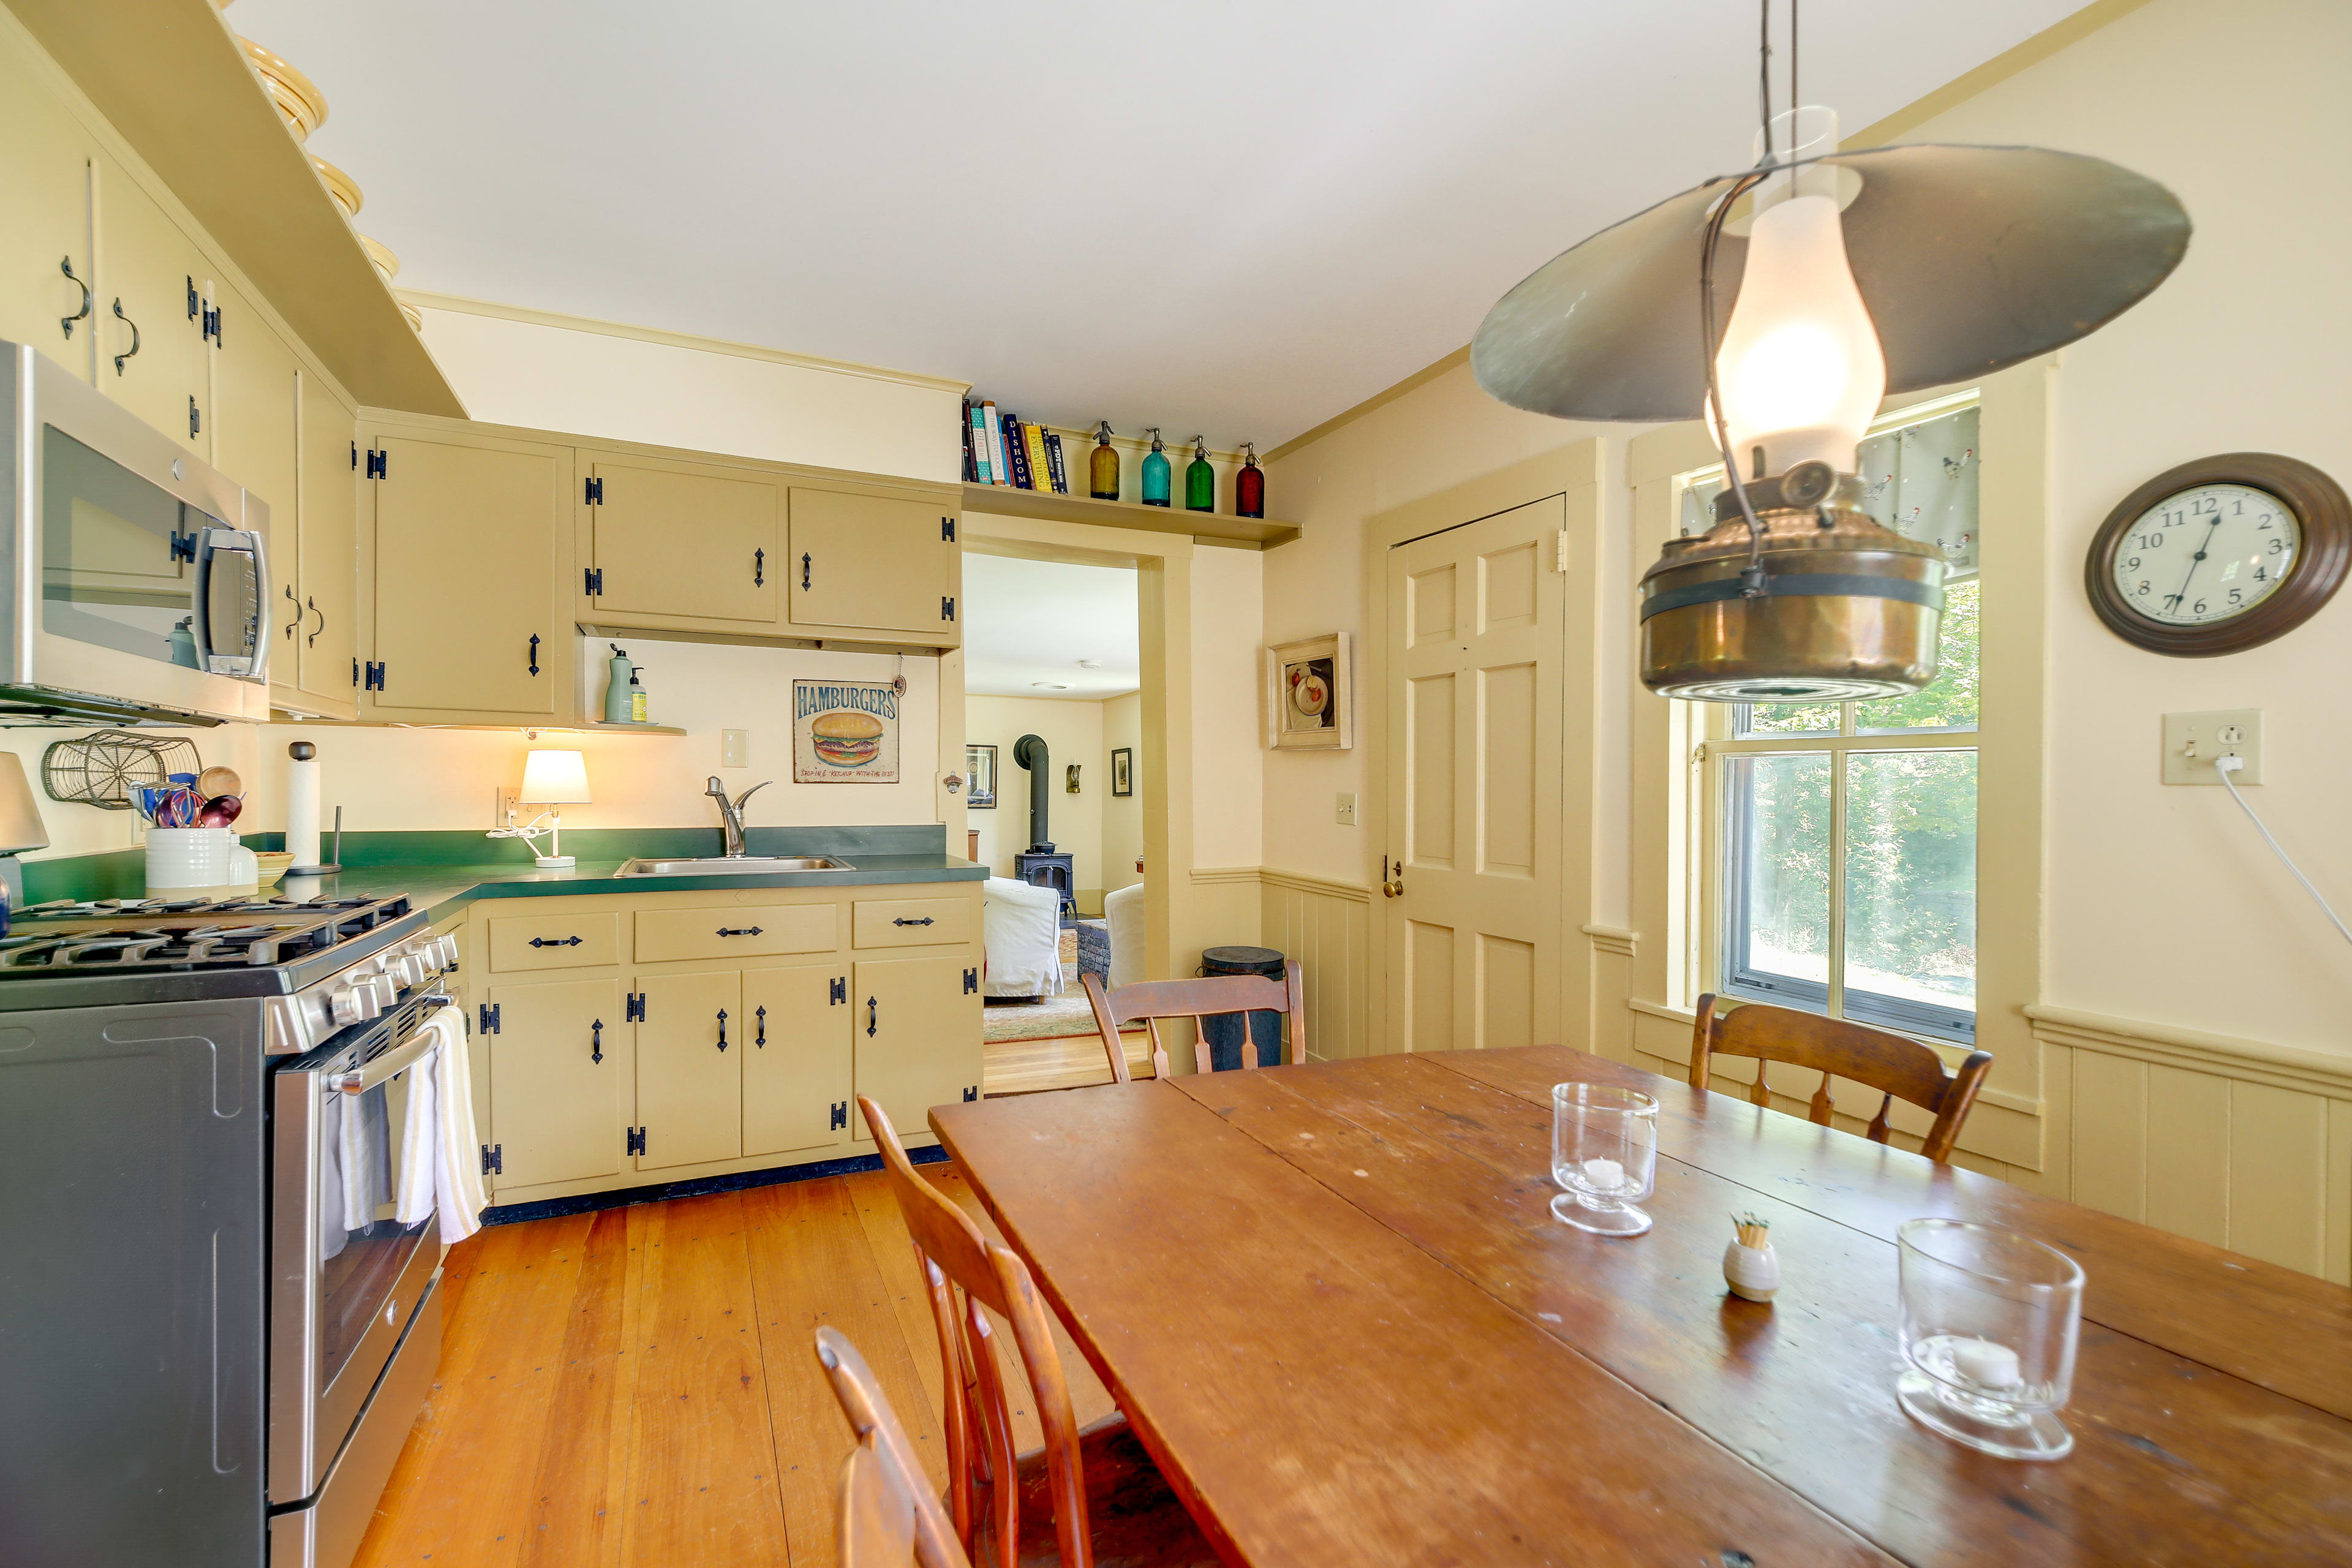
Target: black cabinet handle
132 352
555 942
764 1028
898 921
296 624
738 931
323 622
534 653
68 321
596 1041
804 571
723 1029
870 1024
759 568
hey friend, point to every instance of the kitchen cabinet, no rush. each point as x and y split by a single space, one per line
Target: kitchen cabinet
560 1081
902 1007
689 1032
875 559
154 360
322 676
45 193
256 441
685 543
796 1059
464 544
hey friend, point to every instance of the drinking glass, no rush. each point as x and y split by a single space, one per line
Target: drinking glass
1604 1152
1990 1321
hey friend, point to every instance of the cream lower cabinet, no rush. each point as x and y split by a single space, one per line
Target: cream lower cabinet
689 1032
796 1063
905 1007
560 1081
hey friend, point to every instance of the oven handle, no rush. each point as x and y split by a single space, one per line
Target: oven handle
394 1062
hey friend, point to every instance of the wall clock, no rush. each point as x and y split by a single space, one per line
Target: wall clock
2220 555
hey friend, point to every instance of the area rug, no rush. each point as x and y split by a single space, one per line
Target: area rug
1049 1017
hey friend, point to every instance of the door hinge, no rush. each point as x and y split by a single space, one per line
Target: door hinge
490 1018
972 1091
596 492
947 609
840 992
378 461
637 1143
841 1113
637 1013
494 1159
947 529
595 580
375 675
195 306
971 981
355 669
195 420
183 546
213 325
1560 552
355 457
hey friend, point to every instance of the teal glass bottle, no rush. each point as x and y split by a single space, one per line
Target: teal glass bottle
1200 480
1156 472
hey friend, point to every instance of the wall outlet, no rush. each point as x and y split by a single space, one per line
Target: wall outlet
734 748
1347 808
502 807
2192 741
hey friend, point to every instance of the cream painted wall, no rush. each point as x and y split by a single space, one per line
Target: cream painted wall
1073 732
1122 816
1228 761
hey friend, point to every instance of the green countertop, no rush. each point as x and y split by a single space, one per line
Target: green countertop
442 890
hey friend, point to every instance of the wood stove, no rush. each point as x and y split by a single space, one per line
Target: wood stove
1039 865
1050 870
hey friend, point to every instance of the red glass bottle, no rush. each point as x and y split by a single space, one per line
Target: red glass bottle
1249 485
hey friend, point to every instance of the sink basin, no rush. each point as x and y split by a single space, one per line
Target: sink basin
741 866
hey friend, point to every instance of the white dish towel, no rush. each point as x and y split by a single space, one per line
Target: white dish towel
440 1169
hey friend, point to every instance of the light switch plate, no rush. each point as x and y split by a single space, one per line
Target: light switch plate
734 748
1347 808
2192 741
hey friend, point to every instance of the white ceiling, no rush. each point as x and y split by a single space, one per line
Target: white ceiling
1026 625
1230 217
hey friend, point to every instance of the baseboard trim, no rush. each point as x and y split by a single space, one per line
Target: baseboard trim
2253 1061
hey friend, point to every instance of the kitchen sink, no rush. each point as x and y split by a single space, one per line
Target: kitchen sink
738 866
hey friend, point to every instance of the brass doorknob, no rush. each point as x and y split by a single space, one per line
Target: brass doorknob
1393 888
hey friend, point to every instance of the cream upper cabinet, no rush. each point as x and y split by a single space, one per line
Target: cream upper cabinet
44 219
688 544
871 559
154 358
326 544
467 546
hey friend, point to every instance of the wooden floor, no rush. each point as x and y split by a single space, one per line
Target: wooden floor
639 1386
1025 1067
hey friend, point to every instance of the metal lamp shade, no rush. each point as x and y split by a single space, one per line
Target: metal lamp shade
1968 259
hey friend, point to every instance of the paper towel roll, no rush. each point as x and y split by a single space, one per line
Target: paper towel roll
302 804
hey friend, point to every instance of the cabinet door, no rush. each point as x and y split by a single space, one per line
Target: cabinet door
869 560
557 1112
677 544
795 1059
689 1067
917 1032
161 278
256 426
328 551
45 193
466 554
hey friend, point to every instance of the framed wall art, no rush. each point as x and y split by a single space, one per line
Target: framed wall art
980 764
844 731
1122 772
1310 695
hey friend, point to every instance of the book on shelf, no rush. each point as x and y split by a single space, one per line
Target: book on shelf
994 425
1017 451
1054 463
1041 472
973 473
1002 448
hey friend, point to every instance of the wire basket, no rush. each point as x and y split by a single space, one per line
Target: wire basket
99 770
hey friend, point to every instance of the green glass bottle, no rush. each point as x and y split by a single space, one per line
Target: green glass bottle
1102 468
1200 480
1156 472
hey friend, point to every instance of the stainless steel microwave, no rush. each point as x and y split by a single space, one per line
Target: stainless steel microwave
133 575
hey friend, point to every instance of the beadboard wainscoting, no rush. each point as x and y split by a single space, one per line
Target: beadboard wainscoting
1327 927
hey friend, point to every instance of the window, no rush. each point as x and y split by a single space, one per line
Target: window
1841 864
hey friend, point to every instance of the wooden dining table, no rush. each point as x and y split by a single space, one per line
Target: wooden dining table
1335 1304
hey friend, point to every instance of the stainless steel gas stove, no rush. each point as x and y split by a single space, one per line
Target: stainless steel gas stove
216 1332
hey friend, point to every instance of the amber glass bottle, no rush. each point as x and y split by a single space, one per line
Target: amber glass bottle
1200 480
1249 485
1102 468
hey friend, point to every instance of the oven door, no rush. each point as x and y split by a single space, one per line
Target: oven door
345 1274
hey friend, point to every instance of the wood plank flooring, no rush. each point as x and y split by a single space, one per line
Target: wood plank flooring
639 1385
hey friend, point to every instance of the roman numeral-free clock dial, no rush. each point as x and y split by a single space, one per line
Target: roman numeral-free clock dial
2221 554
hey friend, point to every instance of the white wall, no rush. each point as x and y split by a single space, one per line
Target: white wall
1073 732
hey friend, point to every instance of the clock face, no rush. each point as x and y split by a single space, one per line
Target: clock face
2206 554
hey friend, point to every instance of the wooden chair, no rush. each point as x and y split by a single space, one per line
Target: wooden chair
889 1517
1090 1495
1153 1000
1888 1063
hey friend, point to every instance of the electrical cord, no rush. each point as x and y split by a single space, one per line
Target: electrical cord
2225 766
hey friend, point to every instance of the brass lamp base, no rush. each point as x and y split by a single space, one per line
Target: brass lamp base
1847 609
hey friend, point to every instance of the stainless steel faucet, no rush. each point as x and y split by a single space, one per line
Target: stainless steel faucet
731 813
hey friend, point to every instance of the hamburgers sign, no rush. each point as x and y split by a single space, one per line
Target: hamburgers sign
844 731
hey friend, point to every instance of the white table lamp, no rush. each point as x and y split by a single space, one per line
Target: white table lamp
549 779
20 827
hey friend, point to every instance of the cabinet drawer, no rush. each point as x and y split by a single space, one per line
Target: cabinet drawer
910 923
737 931
554 942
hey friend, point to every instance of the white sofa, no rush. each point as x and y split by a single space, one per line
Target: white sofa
1022 927
1123 913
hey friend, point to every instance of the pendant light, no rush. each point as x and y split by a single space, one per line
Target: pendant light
1848 276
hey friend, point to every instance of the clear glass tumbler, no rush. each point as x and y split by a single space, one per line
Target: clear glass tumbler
1604 1152
1990 1321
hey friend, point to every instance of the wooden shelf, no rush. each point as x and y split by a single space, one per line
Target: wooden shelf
630 729
1207 527
170 75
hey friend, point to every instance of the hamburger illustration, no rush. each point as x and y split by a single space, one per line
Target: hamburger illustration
846 739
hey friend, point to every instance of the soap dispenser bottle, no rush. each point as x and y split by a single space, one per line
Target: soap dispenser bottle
1249 485
621 676
637 697
1200 480
1156 472
1102 468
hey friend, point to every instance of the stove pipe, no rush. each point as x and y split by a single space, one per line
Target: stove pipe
1029 751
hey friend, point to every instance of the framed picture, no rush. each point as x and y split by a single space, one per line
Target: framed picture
1073 776
1310 695
980 766
844 731
1122 770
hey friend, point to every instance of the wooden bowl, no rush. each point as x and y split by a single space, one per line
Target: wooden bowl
273 864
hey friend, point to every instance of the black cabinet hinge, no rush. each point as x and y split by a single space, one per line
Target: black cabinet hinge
971 981
183 546
375 675
841 1113
195 420
637 1143
355 669
972 1091
596 492
947 529
377 461
195 306
947 609
840 992
213 325
355 457
490 1018
636 1007
494 1159
595 579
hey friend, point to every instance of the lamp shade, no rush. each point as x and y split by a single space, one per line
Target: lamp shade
20 819
554 778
